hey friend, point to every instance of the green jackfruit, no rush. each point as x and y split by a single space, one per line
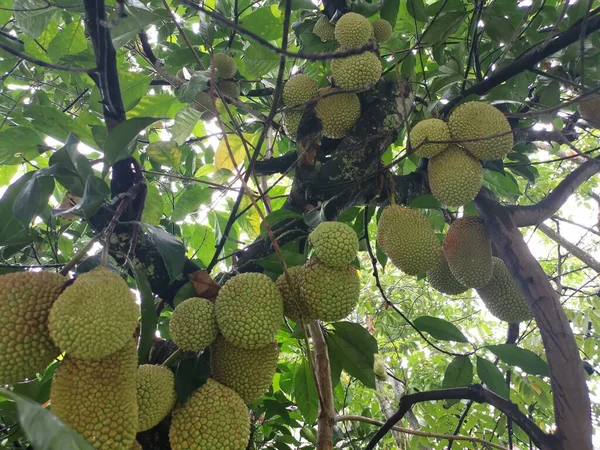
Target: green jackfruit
294 306
331 294
25 344
225 65
193 325
136 446
299 89
334 243
213 418
356 71
468 250
98 398
338 113
482 129
95 316
589 109
249 310
324 29
155 395
502 297
353 30
203 103
441 279
432 130
406 237
455 177
247 372
382 30
229 88
291 122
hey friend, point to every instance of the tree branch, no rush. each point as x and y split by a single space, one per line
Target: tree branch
477 393
47 65
571 248
525 216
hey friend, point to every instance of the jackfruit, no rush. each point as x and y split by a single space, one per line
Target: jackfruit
406 237
334 243
353 30
291 122
95 316
589 109
468 250
324 29
249 310
441 279
213 418
224 64
455 177
25 344
136 446
248 372
193 325
382 30
203 103
338 113
299 89
356 71
155 395
98 398
482 129
502 297
331 294
229 88
294 305
432 130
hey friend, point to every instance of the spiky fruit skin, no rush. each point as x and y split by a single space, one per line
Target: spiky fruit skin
406 237
324 29
225 65
455 177
353 30
294 305
155 395
589 108
502 297
291 122
249 310
213 418
331 294
334 243
432 130
193 325
382 30
338 113
481 121
98 398
136 446
229 88
202 102
468 250
248 372
25 344
356 71
299 89
441 279
95 316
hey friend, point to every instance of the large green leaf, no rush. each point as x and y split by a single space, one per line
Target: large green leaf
190 374
32 16
33 197
76 167
69 41
305 392
19 141
459 373
444 26
120 142
491 376
264 23
148 315
190 200
389 11
439 329
260 60
520 357
170 248
136 19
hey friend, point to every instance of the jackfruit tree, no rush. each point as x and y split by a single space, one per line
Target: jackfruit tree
290 224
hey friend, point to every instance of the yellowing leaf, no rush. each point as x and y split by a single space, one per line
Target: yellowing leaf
223 157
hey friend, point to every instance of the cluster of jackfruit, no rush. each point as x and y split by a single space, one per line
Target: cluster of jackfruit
327 287
225 68
476 131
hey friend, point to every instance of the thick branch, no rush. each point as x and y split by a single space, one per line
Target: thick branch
571 248
474 392
525 216
571 399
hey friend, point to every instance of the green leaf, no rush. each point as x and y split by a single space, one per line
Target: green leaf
365 8
77 166
305 392
159 105
128 27
277 216
153 206
425 201
197 83
69 41
120 142
520 357
416 8
444 26
95 192
33 197
439 329
260 60
148 315
491 376
190 200
356 346
185 121
43 429
264 23
170 248
502 185
133 87
191 374
389 11
166 153
11 229
16 141
32 16
459 373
